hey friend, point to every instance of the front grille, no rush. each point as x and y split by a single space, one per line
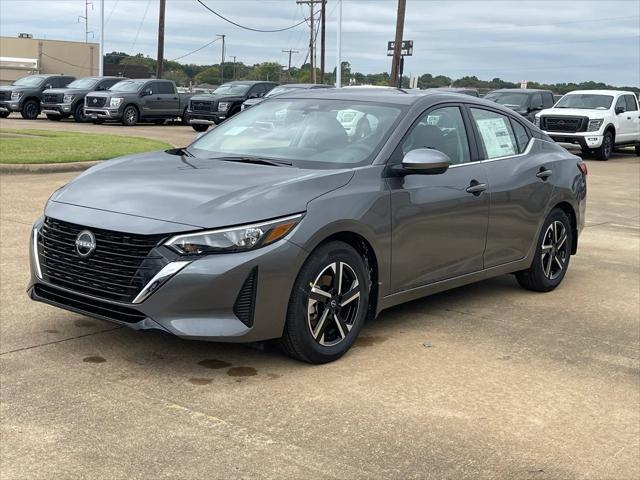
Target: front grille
564 124
52 98
5 95
95 101
121 265
88 306
201 106
244 306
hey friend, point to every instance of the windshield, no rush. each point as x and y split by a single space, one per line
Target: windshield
83 83
310 132
128 86
587 101
509 99
30 81
235 89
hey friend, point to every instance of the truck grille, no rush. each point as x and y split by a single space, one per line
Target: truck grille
201 106
52 98
95 101
564 124
121 265
5 95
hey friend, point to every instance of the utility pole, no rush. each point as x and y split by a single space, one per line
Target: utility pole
234 66
289 67
339 47
85 18
101 61
160 62
323 11
222 62
312 53
395 65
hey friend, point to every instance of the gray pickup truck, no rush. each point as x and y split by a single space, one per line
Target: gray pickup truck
137 100
59 103
25 94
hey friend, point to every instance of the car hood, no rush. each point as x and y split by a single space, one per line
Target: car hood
197 192
574 112
15 88
67 91
108 94
209 97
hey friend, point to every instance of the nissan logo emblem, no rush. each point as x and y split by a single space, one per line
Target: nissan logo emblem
95 100
85 243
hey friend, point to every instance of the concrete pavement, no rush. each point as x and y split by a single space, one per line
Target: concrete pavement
485 381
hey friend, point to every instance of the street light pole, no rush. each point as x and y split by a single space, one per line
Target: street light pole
339 47
234 66
101 60
222 62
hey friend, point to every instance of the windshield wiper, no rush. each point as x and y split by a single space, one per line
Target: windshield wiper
255 160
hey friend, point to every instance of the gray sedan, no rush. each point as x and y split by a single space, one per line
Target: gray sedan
306 215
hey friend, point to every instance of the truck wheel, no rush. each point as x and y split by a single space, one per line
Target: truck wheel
30 110
130 116
78 114
4 114
185 117
603 152
199 127
55 118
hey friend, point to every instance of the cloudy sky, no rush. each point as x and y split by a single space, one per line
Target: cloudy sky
549 41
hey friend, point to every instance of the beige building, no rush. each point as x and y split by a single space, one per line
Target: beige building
23 56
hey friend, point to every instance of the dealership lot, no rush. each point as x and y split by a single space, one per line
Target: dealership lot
483 381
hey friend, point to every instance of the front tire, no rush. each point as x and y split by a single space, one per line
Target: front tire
328 304
78 114
198 127
30 110
604 151
553 252
130 116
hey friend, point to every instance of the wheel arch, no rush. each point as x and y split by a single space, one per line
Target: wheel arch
366 250
567 208
610 128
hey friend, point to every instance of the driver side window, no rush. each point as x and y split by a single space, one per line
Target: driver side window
441 129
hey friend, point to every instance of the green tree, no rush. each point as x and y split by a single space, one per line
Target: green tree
178 76
211 75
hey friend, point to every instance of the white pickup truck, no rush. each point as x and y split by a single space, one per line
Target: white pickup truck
597 120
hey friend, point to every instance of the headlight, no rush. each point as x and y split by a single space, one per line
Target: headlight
116 102
594 125
236 239
16 95
66 98
223 106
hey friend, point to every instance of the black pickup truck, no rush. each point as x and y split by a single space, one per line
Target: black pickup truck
25 94
59 103
224 102
135 100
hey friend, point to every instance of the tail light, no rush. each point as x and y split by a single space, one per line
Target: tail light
583 168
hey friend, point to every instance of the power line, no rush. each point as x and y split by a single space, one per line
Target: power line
250 28
65 62
111 12
196 50
144 16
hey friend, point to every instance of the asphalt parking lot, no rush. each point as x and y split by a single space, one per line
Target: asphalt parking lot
485 381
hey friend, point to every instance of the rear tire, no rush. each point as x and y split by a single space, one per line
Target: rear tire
30 110
4 114
130 116
185 117
328 304
199 127
553 252
603 152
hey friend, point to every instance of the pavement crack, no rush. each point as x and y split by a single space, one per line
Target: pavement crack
59 341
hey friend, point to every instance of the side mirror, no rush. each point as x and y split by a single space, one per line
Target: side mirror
425 161
146 92
619 110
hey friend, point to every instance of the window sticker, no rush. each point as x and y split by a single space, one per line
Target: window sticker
496 137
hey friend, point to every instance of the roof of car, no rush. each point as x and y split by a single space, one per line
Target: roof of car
247 82
520 90
600 92
305 85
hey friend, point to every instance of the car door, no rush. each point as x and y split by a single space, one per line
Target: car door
170 103
633 111
151 104
520 180
627 125
439 222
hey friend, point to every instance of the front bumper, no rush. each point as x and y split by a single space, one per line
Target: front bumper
200 301
10 106
56 108
586 140
206 118
102 113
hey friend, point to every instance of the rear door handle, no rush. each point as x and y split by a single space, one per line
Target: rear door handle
476 187
544 173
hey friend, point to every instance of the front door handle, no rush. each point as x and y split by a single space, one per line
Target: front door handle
544 173
476 187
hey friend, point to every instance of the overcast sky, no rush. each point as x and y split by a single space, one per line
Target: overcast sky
546 41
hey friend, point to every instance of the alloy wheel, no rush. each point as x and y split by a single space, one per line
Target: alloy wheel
334 300
555 250
608 144
31 110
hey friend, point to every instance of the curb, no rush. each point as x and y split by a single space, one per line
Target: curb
17 169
